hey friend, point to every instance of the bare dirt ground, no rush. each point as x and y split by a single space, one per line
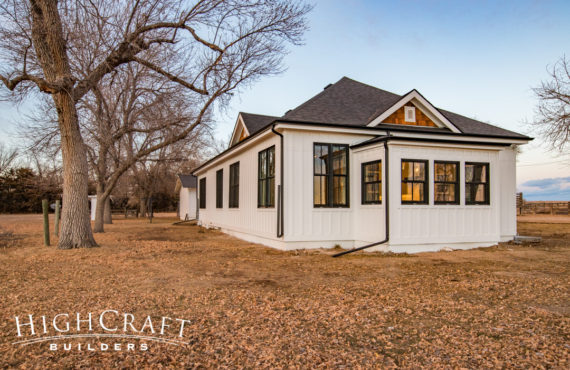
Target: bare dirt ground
551 219
251 306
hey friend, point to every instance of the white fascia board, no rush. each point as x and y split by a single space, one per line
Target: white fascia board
369 147
232 152
395 142
459 138
432 112
394 134
344 130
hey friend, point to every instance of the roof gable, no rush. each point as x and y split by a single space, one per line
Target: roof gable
420 102
399 117
351 103
248 124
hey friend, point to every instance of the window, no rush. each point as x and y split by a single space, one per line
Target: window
203 193
220 189
414 181
330 175
234 185
266 178
477 183
410 114
372 182
446 182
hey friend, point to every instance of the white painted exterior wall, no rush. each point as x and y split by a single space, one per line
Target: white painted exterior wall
413 228
432 227
187 203
508 173
247 222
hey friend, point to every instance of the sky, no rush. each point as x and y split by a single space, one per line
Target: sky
480 59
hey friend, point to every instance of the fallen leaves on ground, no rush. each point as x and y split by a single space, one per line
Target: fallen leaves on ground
252 306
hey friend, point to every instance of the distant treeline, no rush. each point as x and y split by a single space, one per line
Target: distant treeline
22 191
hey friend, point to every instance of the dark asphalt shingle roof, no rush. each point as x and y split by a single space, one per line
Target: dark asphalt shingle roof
349 102
346 102
255 122
188 181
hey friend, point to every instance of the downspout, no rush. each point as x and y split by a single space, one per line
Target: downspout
386 210
280 187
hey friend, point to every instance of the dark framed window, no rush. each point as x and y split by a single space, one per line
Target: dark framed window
266 178
234 185
330 175
203 193
477 183
414 181
446 182
220 188
372 182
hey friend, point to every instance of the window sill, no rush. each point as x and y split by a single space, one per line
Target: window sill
335 209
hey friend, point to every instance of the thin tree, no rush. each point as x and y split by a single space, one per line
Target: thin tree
224 45
553 110
7 157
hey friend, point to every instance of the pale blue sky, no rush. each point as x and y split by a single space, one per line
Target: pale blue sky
476 58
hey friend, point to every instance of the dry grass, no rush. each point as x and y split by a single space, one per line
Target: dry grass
252 306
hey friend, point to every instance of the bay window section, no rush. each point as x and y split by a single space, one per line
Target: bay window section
372 182
330 175
414 181
446 182
477 183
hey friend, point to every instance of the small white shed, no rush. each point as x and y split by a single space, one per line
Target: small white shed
186 186
92 205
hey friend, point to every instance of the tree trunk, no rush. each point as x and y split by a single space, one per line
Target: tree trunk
108 218
50 47
99 211
142 206
75 220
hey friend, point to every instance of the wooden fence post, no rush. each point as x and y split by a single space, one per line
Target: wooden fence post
57 215
46 221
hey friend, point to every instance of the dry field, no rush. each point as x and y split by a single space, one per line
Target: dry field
251 306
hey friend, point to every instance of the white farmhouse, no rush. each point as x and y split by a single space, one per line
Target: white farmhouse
186 186
357 166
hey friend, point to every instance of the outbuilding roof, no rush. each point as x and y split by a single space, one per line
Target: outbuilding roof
188 181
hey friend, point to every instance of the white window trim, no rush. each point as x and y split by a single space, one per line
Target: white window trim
409 114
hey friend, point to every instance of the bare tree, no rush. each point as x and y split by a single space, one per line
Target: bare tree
7 157
224 44
127 115
553 110
128 112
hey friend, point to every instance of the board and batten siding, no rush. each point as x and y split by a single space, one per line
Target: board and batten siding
247 221
431 226
305 225
508 173
413 228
